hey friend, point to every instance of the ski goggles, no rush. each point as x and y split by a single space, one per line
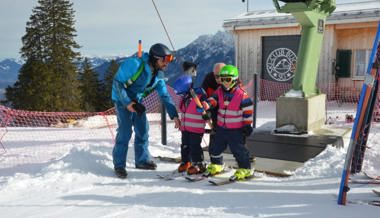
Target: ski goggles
225 79
167 59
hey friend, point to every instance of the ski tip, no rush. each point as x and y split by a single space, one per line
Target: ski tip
221 182
376 191
194 179
212 182
371 175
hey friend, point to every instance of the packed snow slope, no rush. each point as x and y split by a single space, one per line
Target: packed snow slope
73 177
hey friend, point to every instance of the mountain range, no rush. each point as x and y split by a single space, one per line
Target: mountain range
205 51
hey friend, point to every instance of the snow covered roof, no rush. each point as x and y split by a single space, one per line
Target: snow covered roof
363 11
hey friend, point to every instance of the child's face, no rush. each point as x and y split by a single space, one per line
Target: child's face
227 82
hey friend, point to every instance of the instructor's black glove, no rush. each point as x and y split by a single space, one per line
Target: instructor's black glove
139 108
247 130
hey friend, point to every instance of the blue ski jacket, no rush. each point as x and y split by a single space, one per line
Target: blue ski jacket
145 82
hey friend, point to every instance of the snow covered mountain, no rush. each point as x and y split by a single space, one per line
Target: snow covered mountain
97 61
9 70
8 73
206 50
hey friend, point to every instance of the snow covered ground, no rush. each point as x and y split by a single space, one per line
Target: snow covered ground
67 172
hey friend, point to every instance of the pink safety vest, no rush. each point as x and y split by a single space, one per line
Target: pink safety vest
230 116
191 120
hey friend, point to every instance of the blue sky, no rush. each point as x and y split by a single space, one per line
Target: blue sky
113 27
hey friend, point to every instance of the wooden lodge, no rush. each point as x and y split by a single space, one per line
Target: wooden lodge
266 44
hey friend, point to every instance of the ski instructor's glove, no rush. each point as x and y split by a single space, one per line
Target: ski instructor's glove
138 107
247 130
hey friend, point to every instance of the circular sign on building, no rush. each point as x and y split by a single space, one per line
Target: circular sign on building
281 64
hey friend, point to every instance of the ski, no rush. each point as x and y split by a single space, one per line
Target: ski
168 159
196 178
362 202
231 179
365 202
376 191
363 118
200 177
170 176
371 176
364 181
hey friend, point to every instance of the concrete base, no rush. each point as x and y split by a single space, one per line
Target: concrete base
306 114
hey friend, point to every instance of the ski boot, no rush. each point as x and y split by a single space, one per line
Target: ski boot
121 173
213 169
196 168
242 173
184 166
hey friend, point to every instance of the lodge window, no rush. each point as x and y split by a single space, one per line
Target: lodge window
352 63
362 57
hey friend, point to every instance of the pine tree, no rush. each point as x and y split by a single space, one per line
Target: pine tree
31 91
107 84
90 88
48 46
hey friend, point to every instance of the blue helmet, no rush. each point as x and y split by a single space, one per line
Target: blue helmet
182 84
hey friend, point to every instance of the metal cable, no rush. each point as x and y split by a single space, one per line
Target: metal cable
163 25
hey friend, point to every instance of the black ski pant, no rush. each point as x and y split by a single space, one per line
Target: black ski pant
235 139
191 150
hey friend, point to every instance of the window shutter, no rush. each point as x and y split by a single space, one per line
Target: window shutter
343 63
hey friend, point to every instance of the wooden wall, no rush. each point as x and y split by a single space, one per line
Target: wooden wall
354 37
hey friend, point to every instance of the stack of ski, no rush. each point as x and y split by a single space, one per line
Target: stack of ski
362 122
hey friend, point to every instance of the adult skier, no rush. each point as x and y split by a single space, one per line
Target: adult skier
136 78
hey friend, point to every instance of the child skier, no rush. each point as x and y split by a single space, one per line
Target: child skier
233 123
192 126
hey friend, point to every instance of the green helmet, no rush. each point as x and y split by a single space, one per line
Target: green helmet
229 71
229 75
